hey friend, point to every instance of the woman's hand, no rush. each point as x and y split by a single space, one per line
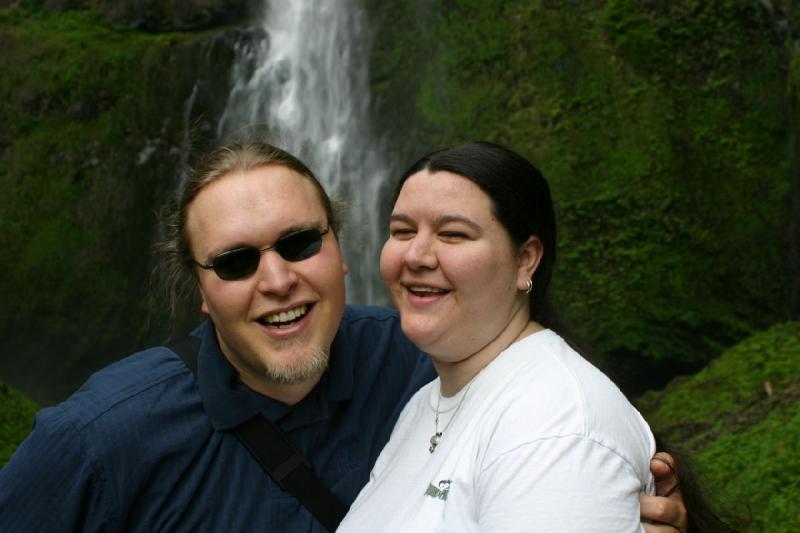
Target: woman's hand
666 509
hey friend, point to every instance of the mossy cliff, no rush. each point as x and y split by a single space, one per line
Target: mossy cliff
664 129
16 416
740 419
92 126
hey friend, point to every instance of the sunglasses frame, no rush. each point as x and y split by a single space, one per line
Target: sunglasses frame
274 246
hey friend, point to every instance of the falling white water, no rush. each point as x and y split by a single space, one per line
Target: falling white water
186 143
303 85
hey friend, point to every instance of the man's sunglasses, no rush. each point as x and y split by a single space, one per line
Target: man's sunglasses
242 262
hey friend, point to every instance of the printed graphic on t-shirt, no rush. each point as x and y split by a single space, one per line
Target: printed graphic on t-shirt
439 492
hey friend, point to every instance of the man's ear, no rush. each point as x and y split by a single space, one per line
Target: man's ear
528 258
203 304
345 268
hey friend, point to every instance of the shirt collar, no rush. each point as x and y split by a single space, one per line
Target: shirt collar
228 402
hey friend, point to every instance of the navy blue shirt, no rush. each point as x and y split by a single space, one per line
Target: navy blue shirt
143 446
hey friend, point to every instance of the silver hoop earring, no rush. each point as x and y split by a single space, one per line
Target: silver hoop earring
529 286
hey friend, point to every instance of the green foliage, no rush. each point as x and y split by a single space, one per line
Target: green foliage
16 419
66 89
760 466
637 245
662 130
477 39
82 105
740 418
31 5
733 381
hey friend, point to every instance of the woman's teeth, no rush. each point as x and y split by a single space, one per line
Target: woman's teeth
426 290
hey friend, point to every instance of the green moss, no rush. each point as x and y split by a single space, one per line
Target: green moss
55 164
16 420
740 418
79 102
662 131
734 380
759 466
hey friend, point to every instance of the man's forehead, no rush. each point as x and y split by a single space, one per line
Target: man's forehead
271 199
257 186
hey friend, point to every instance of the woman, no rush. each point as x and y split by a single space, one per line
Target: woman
519 433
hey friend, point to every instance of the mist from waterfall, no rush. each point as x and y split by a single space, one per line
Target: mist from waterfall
303 85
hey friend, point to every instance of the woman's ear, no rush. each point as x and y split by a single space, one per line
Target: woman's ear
528 258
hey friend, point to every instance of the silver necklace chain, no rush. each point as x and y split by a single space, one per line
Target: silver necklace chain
437 435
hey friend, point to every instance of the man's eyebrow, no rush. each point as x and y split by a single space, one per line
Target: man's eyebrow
439 221
294 228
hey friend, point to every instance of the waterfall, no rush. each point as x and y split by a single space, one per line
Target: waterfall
186 143
302 84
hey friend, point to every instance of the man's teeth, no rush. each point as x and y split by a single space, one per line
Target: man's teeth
431 290
287 316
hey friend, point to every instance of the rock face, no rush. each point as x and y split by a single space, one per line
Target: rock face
173 15
158 15
97 127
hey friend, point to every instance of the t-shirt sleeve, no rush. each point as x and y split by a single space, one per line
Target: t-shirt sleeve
560 484
52 482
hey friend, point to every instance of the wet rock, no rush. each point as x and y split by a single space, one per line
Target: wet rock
158 16
64 5
178 15
83 110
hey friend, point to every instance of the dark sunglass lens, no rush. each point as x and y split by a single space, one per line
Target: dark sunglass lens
300 245
236 264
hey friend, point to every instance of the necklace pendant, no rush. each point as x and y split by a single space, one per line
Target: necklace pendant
435 441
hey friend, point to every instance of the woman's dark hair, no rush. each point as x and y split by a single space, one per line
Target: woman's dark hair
520 199
701 511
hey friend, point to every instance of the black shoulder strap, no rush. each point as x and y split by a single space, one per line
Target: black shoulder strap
187 348
277 454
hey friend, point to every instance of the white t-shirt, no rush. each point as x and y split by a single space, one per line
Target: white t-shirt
542 441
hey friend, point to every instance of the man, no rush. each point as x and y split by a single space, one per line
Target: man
146 446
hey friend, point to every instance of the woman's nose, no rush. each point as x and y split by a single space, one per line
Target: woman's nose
421 253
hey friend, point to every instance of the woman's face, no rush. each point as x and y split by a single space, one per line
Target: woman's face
451 268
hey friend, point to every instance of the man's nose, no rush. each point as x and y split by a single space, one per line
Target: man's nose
276 275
